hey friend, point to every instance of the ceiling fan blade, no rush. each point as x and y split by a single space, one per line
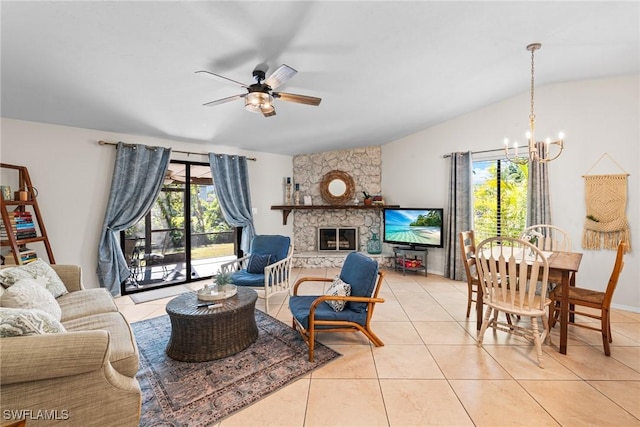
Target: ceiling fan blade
301 99
282 74
270 113
217 76
224 100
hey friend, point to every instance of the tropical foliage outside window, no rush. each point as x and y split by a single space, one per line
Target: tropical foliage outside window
168 216
499 198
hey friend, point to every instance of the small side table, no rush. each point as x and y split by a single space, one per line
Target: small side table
199 334
408 259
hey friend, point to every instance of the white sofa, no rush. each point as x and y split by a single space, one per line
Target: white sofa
84 375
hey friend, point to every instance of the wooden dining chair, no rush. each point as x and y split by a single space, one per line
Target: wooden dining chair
468 251
601 301
509 270
548 237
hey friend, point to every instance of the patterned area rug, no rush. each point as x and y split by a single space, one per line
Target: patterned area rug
181 394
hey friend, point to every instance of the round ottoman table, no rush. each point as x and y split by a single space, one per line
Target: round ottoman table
199 334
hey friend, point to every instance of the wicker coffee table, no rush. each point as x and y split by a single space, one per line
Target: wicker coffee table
201 334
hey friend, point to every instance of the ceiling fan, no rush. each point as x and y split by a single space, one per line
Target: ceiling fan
259 97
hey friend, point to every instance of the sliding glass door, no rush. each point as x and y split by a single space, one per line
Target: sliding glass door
184 237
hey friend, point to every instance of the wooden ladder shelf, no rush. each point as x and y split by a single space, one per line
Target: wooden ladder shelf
11 209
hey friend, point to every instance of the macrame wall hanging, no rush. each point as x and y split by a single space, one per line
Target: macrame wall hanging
606 222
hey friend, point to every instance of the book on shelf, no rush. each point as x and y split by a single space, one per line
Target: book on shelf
25 254
26 234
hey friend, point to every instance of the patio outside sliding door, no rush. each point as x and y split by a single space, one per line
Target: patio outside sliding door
183 238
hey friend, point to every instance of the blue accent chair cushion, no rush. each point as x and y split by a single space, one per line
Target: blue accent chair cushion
300 305
361 272
275 245
244 278
257 263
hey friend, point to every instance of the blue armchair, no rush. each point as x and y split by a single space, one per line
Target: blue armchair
313 314
267 268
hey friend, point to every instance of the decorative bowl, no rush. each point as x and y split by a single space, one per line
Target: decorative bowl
217 292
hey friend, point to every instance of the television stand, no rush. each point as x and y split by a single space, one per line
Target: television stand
410 258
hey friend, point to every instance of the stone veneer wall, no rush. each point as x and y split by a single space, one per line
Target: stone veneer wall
365 167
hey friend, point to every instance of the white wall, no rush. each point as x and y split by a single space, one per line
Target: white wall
597 116
73 176
73 173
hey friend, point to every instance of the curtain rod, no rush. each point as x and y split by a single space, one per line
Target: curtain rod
172 150
476 152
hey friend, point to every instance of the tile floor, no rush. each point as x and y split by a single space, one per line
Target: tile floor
430 371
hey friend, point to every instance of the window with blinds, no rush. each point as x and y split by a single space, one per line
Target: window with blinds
499 198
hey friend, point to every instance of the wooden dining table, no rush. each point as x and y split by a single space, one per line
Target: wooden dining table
563 267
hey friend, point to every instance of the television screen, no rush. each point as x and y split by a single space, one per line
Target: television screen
415 227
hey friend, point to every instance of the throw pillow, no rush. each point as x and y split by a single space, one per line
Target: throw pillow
29 294
39 270
15 322
338 288
257 263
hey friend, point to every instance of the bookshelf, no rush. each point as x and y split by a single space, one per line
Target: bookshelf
21 219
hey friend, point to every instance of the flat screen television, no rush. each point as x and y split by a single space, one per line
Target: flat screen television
413 227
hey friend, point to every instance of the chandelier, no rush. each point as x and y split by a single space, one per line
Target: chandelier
534 154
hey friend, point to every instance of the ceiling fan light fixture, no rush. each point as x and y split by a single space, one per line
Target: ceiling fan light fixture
258 102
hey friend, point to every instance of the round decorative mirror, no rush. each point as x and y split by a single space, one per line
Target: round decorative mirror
337 187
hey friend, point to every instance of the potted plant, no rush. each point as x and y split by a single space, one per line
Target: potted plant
223 279
367 198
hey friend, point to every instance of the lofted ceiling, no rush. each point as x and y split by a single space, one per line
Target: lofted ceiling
384 69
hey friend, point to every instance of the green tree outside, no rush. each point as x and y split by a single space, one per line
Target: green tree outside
511 219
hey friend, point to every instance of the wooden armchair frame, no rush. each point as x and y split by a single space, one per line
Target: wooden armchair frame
337 325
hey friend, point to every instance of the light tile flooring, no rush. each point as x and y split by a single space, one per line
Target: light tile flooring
430 371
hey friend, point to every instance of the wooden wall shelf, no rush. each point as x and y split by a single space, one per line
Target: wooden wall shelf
286 209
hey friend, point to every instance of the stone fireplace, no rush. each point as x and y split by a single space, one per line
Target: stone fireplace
365 166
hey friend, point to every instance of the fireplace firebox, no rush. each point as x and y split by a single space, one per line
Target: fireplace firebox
337 239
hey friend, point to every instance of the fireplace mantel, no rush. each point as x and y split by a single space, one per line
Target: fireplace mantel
286 209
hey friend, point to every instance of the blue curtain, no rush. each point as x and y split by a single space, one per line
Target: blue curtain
459 212
231 183
538 203
137 179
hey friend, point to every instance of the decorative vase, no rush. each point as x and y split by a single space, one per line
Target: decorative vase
287 196
374 246
296 195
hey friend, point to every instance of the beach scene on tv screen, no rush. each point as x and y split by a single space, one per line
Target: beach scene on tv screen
413 227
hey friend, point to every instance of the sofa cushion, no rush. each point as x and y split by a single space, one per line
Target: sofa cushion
27 293
38 270
85 303
16 322
123 348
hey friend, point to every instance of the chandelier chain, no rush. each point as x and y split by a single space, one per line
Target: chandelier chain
532 116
